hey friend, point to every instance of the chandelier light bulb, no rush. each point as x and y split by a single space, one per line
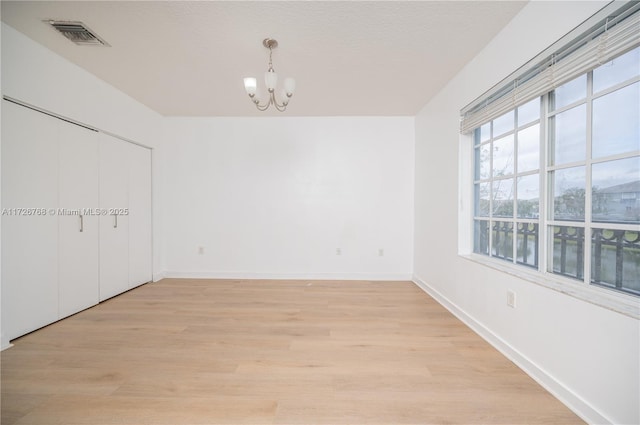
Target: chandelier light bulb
271 81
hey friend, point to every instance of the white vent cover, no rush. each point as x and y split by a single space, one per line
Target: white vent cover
77 32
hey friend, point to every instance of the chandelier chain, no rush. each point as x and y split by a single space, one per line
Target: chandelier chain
270 59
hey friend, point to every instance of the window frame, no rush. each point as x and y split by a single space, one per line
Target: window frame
622 302
588 224
513 176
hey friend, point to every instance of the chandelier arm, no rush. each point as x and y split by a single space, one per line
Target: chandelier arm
280 107
263 107
258 105
273 100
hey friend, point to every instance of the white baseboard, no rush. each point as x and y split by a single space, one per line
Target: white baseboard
4 344
159 276
573 401
287 276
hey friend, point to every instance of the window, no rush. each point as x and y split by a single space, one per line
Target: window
507 185
557 179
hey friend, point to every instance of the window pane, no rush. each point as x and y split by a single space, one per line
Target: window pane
615 259
503 124
616 191
568 194
529 149
482 134
618 70
528 196
616 122
482 164
569 92
503 156
481 237
485 132
568 132
529 112
527 247
502 245
503 198
482 197
567 256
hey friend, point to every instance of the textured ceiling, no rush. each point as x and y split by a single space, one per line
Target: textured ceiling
184 58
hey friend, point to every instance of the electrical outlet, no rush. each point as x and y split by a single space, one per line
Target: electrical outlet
511 299
201 250
338 251
381 252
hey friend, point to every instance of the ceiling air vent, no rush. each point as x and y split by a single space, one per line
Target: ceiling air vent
77 32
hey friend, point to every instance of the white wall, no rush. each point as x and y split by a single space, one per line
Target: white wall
587 355
37 76
275 197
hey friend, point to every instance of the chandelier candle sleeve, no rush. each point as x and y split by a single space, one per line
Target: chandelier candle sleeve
250 85
271 81
289 86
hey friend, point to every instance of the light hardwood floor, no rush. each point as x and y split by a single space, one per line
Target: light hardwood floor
283 352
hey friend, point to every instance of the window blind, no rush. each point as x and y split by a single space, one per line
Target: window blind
609 38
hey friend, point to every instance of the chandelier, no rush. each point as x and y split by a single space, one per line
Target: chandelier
270 80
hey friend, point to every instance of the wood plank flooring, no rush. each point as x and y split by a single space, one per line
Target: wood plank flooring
267 352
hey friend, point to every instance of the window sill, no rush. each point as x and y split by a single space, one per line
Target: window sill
627 305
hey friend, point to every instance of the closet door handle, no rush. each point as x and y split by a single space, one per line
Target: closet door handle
115 224
81 224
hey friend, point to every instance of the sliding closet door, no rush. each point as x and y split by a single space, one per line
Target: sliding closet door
78 223
140 265
114 225
29 223
76 218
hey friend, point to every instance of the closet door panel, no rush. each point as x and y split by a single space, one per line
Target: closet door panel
78 222
114 225
29 238
140 265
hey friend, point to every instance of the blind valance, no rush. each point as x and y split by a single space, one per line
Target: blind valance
608 39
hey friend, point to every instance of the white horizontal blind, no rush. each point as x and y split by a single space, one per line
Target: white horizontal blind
555 71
